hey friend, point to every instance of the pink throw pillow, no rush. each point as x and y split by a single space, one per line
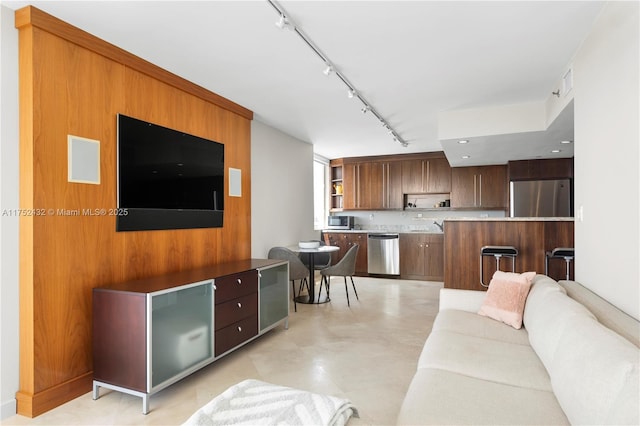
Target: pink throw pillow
506 297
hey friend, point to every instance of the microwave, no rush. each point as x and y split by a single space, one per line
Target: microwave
341 222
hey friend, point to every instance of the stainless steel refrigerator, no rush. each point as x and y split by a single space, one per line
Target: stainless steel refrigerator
541 198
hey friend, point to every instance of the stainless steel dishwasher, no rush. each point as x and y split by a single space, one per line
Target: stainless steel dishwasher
383 254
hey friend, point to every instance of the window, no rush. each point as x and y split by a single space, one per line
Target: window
320 192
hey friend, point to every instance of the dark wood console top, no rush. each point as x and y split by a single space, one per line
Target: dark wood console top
176 279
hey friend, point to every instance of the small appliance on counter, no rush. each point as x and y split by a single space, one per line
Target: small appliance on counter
341 222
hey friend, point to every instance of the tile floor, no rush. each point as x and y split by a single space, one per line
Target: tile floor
367 353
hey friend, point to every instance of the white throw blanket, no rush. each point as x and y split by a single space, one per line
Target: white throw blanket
252 402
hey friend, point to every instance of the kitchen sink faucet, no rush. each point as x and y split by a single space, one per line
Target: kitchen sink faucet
435 222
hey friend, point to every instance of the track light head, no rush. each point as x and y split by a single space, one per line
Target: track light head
351 93
283 23
328 70
365 109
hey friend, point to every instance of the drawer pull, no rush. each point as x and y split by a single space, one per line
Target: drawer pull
239 281
239 305
239 329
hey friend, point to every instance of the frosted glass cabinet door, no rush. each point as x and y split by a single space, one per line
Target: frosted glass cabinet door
181 330
274 295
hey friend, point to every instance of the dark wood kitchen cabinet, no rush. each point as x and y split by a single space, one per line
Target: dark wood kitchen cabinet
482 187
345 240
386 186
357 186
380 182
422 256
550 168
428 175
372 186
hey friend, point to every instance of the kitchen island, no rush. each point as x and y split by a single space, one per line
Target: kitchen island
532 237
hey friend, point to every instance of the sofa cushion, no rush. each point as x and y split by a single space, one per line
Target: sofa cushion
472 324
546 313
506 297
485 359
441 397
595 374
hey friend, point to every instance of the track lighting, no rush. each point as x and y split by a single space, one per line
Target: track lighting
284 22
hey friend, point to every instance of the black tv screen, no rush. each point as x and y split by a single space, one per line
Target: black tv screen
167 179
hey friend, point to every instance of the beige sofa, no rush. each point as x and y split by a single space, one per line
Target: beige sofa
575 361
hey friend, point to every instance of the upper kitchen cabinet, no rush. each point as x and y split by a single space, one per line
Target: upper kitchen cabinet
428 175
386 186
482 187
553 168
357 187
372 185
380 182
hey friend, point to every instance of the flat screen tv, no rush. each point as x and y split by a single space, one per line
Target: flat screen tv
167 179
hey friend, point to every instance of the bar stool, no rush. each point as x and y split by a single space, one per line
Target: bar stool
498 252
566 253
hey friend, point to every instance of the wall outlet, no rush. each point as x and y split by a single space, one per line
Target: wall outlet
419 214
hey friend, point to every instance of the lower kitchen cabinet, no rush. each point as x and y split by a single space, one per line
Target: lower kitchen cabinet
150 333
344 240
422 256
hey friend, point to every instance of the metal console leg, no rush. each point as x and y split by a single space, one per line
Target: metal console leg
96 391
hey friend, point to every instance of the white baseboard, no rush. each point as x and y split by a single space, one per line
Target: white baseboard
8 409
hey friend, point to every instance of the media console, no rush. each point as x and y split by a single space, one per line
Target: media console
150 333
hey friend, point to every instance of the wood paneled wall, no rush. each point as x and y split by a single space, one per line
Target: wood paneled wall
73 83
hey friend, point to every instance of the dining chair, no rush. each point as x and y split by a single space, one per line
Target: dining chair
297 269
346 267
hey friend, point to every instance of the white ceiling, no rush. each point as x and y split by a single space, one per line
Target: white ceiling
408 59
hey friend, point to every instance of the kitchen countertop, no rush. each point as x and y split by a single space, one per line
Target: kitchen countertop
401 229
393 229
511 219
380 231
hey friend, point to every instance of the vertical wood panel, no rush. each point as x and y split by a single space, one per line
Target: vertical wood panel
26 315
68 89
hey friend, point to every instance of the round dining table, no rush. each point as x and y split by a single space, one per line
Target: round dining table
311 298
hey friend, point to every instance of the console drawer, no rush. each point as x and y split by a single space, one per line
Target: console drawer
236 285
234 334
235 310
